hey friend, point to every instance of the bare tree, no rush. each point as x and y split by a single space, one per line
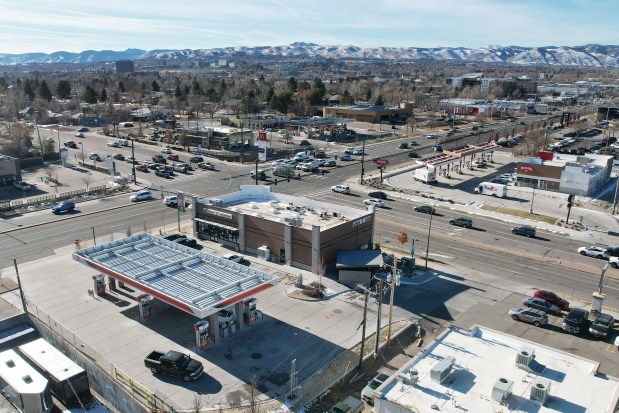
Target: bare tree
254 406
50 173
197 404
86 179
402 238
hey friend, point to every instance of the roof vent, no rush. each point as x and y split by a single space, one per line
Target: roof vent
540 390
524 357
410 377
274 203
502 389
253 205
217 202
27 379
442 369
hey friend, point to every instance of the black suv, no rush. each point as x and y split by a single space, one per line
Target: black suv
173 237
196 159
462 222
575 321
159 159
602 326
378 195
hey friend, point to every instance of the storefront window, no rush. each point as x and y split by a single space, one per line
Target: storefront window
217 233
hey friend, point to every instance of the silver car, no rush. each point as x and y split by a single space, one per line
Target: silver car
539 304
529 315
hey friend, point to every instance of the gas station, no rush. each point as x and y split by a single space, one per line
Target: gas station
192 281
456 159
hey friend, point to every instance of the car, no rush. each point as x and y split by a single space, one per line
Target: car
509 177
22 186
569 141
380 160
413 143
206 165
526 231
346 158
172 157
378 195
437 148
602 326
188 242
358 151
522 122
131 159
196 159
329 163
375 202
462 222
113 144
141 168
159 159
499 180
141 196
153 165
119 156
403 145
171 201
413 155
179 167
426 209
70 144
342 189
234 257
575 322
320 155
166 150
80 135
479 163
552 298
543 305
226 318
305 142
593 251
431 136
349 150
173 237
367 394
614 262
163 173
83 129
64 206
475 127
529 315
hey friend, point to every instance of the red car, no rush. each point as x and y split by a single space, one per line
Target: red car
552 298
173 157
141 168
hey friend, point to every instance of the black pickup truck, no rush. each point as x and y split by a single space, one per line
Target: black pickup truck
175 364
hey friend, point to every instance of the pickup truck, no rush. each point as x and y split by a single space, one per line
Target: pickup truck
175 364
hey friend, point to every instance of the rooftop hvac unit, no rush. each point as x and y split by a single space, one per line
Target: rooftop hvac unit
253 205
275 211
335 214
442 369
540 390
524 357
502 389
410 377
274 203
216 202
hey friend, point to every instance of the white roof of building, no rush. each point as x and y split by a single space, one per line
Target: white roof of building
50 359
20 375
190 280
482 357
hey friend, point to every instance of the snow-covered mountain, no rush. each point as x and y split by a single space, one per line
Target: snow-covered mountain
587 55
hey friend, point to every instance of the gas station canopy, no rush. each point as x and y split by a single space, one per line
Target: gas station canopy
193 281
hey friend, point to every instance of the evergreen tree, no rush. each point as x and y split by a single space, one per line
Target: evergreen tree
103 95
44 91
121 87
292 84
368 95
155 86
63 90
196 88
270 94
379 101
29 89
90 95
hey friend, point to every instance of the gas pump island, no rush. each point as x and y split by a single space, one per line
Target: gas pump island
217 291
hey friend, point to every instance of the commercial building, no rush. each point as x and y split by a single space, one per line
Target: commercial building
300 232
369 113
9 170
124 66
483 370
571 174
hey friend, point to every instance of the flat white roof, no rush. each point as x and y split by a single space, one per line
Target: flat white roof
483 356
20 375
50 359
190 280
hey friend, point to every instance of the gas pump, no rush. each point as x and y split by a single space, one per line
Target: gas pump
144 305
201 329
99 284
249 306
111 282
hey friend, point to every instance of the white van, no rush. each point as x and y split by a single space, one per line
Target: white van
301 156
123 142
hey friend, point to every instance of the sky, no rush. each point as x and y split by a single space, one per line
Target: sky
73 26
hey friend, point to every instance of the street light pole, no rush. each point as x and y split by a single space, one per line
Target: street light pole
135 179
429 230
363 160
532 199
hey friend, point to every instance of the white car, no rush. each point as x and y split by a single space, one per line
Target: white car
113 144
343 189
615 145
614 262
141 196
166 150
278 162
21 185
431 136
171 201
79 134
593 251
233 257
376 202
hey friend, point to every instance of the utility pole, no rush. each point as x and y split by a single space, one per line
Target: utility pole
601 284
365 311
391 301
532 199
615 198
380 303
21 292
428 242
135 179
363 160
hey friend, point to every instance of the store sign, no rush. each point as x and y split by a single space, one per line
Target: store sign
217 213
526 169
360 221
